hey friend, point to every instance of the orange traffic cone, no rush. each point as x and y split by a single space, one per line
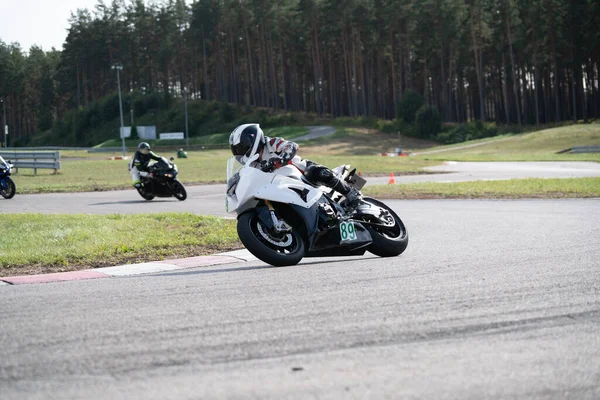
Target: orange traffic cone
392 180
359 174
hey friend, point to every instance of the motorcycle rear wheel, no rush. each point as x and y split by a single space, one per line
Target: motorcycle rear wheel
8 191
145 195
279 250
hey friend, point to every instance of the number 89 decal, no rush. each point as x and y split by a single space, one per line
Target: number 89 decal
347 231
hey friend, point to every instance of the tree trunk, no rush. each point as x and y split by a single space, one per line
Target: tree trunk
513 66
206 82
478 61
394 89
536 90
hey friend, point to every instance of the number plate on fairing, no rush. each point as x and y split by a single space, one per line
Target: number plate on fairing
347 231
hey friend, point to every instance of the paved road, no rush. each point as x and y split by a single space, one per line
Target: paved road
316 132
492 299
465 146
205 199
453 171
209 199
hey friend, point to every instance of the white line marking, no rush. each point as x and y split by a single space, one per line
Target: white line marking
242 254
137 269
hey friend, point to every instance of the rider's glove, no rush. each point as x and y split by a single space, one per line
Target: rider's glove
272 164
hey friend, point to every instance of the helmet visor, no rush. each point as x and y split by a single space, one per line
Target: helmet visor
240 149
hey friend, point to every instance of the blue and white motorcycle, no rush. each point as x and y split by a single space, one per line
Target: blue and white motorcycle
7 186
282 217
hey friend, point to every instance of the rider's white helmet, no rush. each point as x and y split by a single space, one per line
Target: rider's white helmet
246 140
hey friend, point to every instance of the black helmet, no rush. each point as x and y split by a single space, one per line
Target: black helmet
144 146
246 141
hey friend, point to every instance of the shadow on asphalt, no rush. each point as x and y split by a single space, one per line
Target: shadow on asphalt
257 267
129 202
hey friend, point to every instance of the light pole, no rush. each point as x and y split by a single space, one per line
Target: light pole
119 67
4 126
187 138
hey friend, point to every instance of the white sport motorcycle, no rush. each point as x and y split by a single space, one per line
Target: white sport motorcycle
282 217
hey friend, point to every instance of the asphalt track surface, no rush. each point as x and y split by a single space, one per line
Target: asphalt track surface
209 199
491 300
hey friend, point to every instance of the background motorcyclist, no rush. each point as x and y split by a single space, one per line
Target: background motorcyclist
139 164
247 140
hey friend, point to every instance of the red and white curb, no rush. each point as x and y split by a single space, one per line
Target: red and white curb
133 269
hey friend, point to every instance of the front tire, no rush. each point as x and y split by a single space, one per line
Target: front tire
279 250
9 189
387 241
179 191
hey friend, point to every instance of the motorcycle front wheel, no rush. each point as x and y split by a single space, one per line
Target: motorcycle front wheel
178 190
8 188
390 240
278 249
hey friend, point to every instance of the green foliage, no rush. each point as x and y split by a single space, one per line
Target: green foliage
226 112
410 103
468 131
428 122
264 54
508 189
84 241
134 133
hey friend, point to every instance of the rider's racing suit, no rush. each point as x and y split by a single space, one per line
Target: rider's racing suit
139 165
279 152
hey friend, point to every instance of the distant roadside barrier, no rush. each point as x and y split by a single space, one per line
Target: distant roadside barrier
33 159
581 150
159 148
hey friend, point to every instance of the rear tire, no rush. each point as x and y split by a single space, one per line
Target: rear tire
387 242
10 190
145 196
179 191
266 247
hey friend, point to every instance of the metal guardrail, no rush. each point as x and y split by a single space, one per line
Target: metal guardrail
580 150
162 148
33 159
106 149
37 148
585 149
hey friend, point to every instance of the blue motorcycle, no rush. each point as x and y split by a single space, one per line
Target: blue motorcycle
7 186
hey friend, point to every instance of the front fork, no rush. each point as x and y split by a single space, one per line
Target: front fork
278 225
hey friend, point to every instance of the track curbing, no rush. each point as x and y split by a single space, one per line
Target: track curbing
133 269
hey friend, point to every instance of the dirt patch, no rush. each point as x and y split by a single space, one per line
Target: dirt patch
365 141
179 252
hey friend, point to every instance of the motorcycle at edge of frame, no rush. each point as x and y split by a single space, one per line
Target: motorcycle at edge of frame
7 185
282 217
162 181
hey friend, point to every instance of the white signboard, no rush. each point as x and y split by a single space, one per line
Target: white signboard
171 136
144 132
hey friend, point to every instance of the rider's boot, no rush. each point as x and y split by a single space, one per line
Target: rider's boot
352 195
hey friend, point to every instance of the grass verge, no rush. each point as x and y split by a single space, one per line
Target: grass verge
288 132
507 189
39 243
536 146
79 174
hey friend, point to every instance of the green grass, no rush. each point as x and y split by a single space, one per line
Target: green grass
536 146
507 189
288 132
39 243
93 172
